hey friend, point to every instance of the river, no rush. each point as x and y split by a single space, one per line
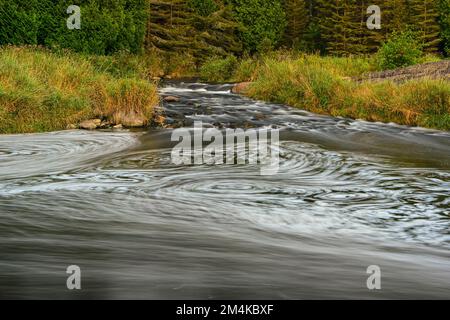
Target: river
348 195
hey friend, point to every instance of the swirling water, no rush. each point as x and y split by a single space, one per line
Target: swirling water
349 194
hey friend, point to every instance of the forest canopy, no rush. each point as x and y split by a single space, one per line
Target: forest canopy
205 28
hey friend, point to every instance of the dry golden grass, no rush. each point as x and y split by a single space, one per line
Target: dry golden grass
45 91
323 85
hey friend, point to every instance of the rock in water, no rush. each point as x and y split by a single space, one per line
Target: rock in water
171 99
133 121
241 87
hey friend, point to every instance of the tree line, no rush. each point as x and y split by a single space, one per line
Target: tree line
339 26
221 27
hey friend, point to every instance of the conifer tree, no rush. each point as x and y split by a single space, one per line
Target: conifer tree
297 17
424 18
183 25
396 15
340 24
444 20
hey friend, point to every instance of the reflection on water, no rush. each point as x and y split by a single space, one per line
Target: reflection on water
349 194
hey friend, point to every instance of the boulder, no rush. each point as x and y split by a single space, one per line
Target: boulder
240 88
133 120
171 99
90 124
71 127
105 125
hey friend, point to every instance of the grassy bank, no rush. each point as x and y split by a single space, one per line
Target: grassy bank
150 65
323 85
42 90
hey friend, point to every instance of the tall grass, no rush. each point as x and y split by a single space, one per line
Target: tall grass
324 85
149 65
42 90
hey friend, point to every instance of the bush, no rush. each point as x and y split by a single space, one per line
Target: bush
203 7
401 50
444 19
262 21
246 70
218 69
105 28
17 24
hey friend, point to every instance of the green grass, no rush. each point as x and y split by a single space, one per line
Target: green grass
323 85
149 65
42 91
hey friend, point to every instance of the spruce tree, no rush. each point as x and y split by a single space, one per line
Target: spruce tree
396 15
340 24
185 25
444 20
425 18
297 17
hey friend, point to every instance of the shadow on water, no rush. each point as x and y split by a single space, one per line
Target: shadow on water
349 194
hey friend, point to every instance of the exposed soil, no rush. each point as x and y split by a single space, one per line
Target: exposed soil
432 70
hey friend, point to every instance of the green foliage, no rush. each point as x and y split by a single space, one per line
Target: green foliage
297 18
401 50
246 70
205 28
106 26
218 69
424 19
148 65
18 24
262 21
203 7
311 41
344 31
174 27
444 20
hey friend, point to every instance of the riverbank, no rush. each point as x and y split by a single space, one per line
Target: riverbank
348 194
42 90
327 85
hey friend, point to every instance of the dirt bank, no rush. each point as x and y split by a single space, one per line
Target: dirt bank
432 70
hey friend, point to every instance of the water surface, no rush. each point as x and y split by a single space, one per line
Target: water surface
349 194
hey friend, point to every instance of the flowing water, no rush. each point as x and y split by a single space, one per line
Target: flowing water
348 195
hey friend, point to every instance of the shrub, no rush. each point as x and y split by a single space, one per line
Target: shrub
218 69
203 7
444 20
105 28
401 50
262 21
246 70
